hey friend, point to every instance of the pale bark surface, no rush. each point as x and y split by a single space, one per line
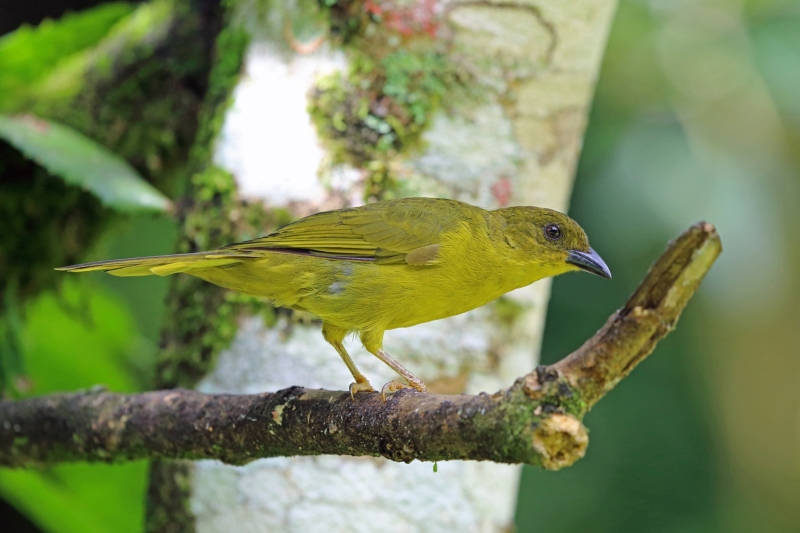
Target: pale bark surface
519 147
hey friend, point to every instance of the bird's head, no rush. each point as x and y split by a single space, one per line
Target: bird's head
551 240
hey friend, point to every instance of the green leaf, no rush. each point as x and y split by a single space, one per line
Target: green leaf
81 161
27 54
82 336
80 498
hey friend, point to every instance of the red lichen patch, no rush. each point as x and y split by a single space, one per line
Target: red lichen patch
407 18
501 190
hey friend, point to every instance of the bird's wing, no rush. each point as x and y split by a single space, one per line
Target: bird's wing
400 231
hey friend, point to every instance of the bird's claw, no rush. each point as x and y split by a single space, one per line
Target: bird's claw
394 386
360 386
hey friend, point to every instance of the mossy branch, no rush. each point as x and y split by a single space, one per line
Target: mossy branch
536 421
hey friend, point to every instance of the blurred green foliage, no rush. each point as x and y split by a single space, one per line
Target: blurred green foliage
696 117
98 330
106 326
28 54
93 330
78 497
46 223
49 224
78 316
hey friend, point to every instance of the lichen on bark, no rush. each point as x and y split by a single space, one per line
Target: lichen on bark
400 73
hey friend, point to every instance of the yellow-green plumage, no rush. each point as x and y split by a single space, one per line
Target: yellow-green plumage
386 265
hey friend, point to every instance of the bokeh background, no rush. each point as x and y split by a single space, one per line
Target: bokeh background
697 116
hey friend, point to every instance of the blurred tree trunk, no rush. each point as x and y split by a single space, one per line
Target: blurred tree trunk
479 101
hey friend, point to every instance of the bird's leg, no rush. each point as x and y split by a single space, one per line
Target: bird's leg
335 336
393 386
362 383
373 342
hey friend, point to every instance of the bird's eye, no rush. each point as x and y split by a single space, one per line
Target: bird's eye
552 232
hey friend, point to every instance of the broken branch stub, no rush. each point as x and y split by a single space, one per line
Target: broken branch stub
649 315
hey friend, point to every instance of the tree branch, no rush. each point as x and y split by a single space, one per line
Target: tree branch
536 421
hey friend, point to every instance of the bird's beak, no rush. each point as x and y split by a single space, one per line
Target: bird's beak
590 262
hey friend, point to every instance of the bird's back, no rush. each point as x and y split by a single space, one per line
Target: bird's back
357 268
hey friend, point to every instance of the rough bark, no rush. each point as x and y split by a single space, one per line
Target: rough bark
535 421
167 502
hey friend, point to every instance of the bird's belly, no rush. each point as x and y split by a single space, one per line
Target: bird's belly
425 307
358 296
389 297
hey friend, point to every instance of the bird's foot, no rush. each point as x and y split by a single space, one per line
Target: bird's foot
360 386
394 386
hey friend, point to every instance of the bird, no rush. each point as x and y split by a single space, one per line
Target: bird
386 265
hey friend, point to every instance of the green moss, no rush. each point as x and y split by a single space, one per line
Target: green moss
519 420
521 415
380 108
229 53
203 317
558 395
347 18
565 404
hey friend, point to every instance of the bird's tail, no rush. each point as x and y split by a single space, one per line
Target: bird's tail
161 265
